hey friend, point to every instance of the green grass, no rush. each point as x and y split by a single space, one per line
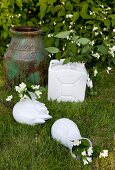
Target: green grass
24 147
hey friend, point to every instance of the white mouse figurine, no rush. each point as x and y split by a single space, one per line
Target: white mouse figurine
30 112
66 132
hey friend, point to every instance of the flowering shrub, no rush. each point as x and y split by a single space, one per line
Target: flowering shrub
85 153
89 18
25 93
74 48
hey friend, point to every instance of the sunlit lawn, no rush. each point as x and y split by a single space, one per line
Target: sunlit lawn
24 147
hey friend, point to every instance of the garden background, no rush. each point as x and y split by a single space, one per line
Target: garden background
26 147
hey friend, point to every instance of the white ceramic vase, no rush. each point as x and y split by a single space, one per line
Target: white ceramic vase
66 132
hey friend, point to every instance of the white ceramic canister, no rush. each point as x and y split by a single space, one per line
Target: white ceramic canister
66 132
67 82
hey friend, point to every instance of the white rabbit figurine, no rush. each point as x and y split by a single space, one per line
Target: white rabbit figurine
30 112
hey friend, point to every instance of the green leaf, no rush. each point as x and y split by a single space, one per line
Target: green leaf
102 49
58 55
52 49
113 23
75 38
107 23
84 10
83 41
69 6
63 34
71 49
79 58
85 49
43 8
61 12
112 16
103 58
67 60
56 9
75 16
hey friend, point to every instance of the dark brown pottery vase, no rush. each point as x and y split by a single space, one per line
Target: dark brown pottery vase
26 58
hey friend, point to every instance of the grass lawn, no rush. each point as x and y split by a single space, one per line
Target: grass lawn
24 147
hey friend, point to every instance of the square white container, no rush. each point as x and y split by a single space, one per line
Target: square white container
66 82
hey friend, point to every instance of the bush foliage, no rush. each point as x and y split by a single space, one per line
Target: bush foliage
83 16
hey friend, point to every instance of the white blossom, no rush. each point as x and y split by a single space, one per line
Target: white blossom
108 45
50 35
91 12
105 29
95 28
90 151
78 50
69 37
108 69
95 72
69 16
103 154
102 6
83 153
49 55
63 3
54 23
76 143
21 88
106 38
63 21
112 49
72 31
114 30
63 48
89 83
35 87
40 22
96 55
71 23
104 12
96 33
70 26
19 15
111 53
38 93
78 44
23 97
92 42
89 159
108 8
9 98
85 162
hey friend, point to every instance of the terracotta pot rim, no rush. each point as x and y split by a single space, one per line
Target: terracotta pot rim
26 30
